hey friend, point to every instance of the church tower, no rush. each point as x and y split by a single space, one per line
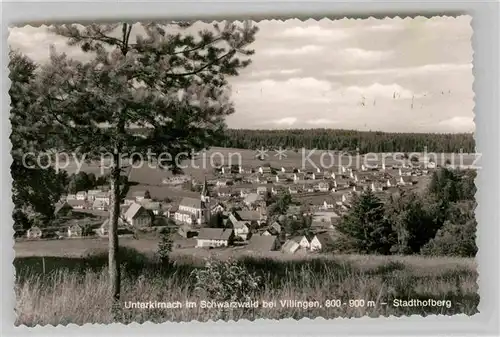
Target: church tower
205 203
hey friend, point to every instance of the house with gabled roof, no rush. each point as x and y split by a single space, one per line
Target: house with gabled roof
265 170
290 247
138 216
214 237
75 231
78 204
302 241
63 209
263 243
321 241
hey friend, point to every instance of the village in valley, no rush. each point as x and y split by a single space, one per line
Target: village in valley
235 208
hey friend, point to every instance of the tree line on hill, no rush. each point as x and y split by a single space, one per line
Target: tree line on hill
343 140
348 140
439 221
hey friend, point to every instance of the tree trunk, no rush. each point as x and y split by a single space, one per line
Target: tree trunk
114 213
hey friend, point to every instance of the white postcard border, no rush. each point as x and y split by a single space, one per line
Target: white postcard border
485 45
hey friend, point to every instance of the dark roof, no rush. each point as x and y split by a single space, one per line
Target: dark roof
214 234
248 215
261 243
190 202
324 238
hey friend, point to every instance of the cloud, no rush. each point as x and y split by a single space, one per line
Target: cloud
420 70
315 32
363 55
284 121
458 124
308 49
274 72
321 121
34 42
377 90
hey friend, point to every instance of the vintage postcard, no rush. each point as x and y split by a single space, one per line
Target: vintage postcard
181 171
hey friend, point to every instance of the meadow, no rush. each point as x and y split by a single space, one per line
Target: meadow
204 164
74 290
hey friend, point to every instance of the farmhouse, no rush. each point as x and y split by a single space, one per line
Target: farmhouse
251 199
262 190
323 186
249 216
103 197
214 237
77 204
265 170
91 194
63 209
104 229
34 233
75 231
321 241
82 195
100 205
324 217
263 243
290 247
302 241
154 206
138 216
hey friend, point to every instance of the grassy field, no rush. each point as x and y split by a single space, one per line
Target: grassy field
76 291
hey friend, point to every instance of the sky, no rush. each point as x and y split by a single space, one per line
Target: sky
394 75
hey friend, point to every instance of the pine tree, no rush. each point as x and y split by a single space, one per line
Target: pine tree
171 83
365 229
34 189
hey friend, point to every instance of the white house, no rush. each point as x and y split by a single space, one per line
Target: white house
241 229
302 241
100 205
138 216
265 170
103 197
91 194
214 237
328 204
324 186
34 233
82 195
71 197
262 190
75 231
320 241
104 229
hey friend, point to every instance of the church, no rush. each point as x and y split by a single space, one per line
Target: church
194 211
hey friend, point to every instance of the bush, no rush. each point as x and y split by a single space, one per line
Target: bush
453 240
165 246
225 281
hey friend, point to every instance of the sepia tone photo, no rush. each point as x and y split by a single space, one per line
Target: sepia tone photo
179 171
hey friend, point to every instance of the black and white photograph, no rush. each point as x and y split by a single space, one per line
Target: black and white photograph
227 170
